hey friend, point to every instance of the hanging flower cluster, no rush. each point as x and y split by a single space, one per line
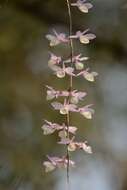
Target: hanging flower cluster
74 66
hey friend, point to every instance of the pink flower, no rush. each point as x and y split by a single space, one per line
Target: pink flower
84 37
76 96
57 162
84 7
90 76
77 60
79 145
57 38
49 128
61 72
54 60
86 111
52 93
72 145
64 108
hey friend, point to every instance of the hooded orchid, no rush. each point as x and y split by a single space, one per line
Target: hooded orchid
84 37
57 39
82 5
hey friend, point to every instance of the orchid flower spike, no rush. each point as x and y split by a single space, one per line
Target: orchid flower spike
70 97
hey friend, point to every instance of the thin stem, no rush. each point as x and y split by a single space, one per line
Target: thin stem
71 40
71 81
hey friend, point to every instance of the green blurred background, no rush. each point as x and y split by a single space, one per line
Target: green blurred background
23 76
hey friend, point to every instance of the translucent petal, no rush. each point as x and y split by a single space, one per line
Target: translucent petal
72 147
51 62
57 105
60 74
50 97
87 114
74 100
83 8
79 65
53 40
89 77
87 149
47 130
83 39
90 36
49 166
62 134
64 111
72 130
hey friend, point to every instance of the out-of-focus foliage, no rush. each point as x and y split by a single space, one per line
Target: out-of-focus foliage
23 76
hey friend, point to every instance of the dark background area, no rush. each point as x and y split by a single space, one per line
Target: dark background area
23 76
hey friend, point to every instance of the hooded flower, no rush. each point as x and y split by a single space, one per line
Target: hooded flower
78 61
57 38
49 128
52 93
79 145
86 111
57 162
72 145
61 72
90 76
84 37
54 60
83 6
76 96
64 108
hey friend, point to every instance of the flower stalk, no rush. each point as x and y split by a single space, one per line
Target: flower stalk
74 66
